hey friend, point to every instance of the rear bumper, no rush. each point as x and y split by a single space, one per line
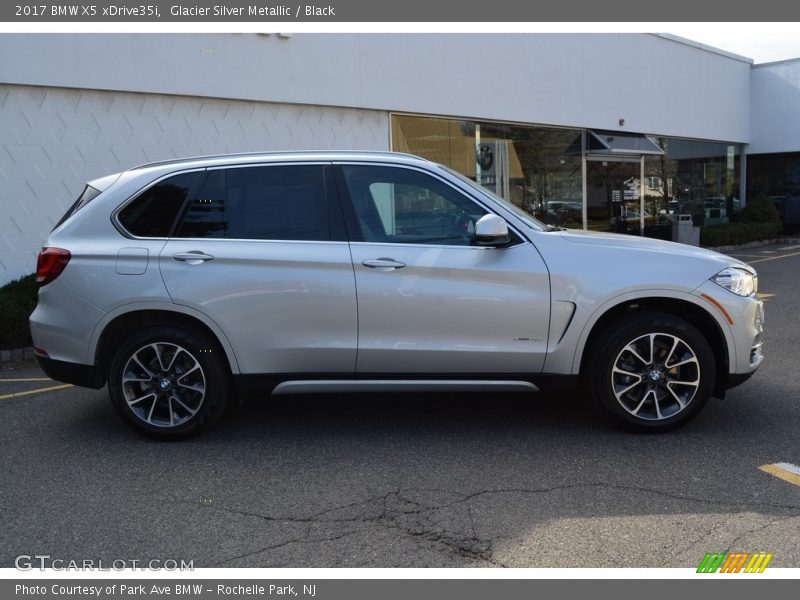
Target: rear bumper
82 375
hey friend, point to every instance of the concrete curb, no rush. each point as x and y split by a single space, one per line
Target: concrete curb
724 249
17 354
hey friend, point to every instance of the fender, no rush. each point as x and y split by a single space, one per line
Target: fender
644 294
167 307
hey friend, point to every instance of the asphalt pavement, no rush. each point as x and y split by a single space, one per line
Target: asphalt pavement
445 480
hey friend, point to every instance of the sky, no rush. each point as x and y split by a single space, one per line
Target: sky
761 44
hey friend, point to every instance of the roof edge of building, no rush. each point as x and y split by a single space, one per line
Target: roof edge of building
775 63
707 48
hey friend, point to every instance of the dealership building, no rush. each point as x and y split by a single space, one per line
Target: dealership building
634 133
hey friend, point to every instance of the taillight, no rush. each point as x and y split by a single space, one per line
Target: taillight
50 264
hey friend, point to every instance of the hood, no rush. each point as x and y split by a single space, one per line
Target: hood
644 244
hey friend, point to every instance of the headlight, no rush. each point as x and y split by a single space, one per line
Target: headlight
738 281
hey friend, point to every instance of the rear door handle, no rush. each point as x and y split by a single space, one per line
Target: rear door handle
195 257
383 264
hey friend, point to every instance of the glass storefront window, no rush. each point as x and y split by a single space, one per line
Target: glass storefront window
777 176
538 169
694 178
535 168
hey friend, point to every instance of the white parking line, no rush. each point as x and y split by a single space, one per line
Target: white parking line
26 379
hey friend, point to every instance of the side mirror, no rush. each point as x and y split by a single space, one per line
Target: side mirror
491 230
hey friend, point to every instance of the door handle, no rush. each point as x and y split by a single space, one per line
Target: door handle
195 257
384 264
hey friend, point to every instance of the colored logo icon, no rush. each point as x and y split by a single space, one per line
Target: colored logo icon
734 562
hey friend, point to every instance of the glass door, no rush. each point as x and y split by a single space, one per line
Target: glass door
613 196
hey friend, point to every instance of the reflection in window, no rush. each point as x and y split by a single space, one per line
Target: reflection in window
539 170
533 167
694 178
394 205
777 176
260 203
154 211
613 193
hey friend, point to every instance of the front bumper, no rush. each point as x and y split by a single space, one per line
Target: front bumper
742 321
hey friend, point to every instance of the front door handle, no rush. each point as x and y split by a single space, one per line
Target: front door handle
383 264
195 257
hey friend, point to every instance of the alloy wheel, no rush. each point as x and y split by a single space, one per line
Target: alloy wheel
163 384
655 376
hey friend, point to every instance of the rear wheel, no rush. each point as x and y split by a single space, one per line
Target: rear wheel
652 371
168 382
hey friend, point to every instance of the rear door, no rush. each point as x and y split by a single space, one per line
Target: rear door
429 301
261 250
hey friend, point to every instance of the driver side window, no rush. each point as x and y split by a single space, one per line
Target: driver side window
405 206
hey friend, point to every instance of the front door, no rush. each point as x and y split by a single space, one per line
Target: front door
428 300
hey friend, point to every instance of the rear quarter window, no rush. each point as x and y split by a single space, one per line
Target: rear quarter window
154 211
87 195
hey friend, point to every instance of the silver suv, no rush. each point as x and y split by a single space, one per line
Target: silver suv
186 283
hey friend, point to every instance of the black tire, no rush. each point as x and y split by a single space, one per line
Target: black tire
673 399
206 390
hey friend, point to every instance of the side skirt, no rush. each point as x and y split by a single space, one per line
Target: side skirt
329 383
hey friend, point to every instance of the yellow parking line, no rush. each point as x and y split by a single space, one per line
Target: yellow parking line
788 472
28 379
774 258
52 388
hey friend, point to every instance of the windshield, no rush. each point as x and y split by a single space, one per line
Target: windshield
527 219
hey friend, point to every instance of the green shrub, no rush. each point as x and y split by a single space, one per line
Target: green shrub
760 209
729 234
17 301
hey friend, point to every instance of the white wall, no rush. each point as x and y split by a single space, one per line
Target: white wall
775 117
658 85
53 140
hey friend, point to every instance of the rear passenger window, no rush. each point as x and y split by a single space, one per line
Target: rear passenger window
260 203
154 211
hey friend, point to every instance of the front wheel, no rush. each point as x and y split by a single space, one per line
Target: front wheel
652 371
168 382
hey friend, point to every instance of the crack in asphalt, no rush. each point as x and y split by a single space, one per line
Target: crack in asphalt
408 516
768 524
677 553
396 511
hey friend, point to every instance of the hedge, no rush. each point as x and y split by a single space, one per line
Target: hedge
760 209
17 301
729 234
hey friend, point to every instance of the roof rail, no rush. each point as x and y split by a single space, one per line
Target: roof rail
171 161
